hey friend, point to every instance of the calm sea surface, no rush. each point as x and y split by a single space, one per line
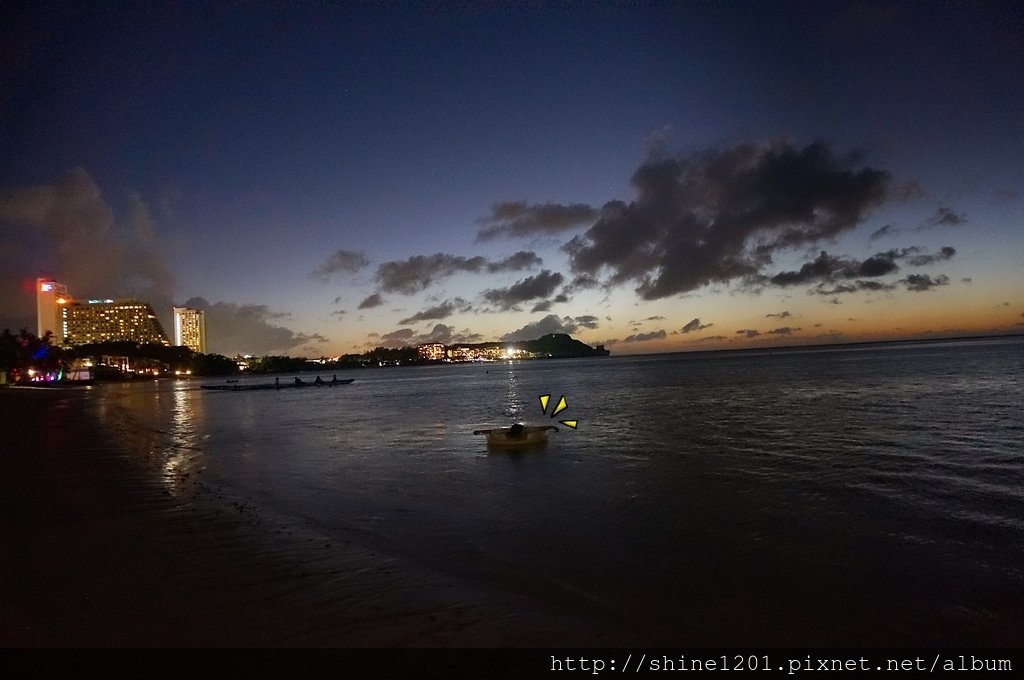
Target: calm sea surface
864 495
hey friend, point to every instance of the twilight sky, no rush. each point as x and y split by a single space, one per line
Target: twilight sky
325 178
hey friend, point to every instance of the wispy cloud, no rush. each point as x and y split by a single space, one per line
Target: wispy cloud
944 217
339 262
646 337
517 218
694 326
419 272
371 301
923 282
441 311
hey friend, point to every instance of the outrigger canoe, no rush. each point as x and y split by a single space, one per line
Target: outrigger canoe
517 435
242 387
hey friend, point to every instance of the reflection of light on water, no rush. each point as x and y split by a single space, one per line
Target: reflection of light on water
182 453
513 405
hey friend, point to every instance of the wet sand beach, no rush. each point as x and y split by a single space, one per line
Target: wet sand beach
99 553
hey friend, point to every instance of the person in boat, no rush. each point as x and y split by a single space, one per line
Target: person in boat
318 381
334 380
517 431
277 382
298 382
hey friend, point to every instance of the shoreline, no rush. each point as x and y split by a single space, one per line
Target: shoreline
107 550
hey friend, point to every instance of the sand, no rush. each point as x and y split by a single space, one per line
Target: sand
98 552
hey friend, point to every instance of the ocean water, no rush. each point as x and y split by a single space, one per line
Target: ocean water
853 495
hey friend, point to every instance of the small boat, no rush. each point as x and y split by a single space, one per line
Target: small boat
518 435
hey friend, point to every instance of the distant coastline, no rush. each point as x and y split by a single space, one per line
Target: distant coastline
862 344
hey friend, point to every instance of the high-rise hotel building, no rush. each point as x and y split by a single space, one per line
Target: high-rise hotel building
78 322
190 329
50 299
103 320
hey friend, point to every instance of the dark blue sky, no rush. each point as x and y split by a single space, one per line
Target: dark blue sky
227 151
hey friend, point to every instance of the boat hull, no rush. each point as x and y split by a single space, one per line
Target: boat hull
529 436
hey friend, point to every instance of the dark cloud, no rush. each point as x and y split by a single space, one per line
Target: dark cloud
785 330
852 287
945 217
407 337
830 268
400 338
419 271
447 335
340 262
516 262
584 282
68 231
543 306
748 332
827 267
516 218
878 265
824 267
586 321
549 324
922 260
719 215
339 312
234 329
695 325
441 311
645 337
922 282
655 318
780 315
371 301
533 287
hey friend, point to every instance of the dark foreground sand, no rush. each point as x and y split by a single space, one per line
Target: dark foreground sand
97 551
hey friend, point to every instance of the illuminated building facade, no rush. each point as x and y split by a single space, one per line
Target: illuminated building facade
190 329
106 320
480 352
50 298
434 351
